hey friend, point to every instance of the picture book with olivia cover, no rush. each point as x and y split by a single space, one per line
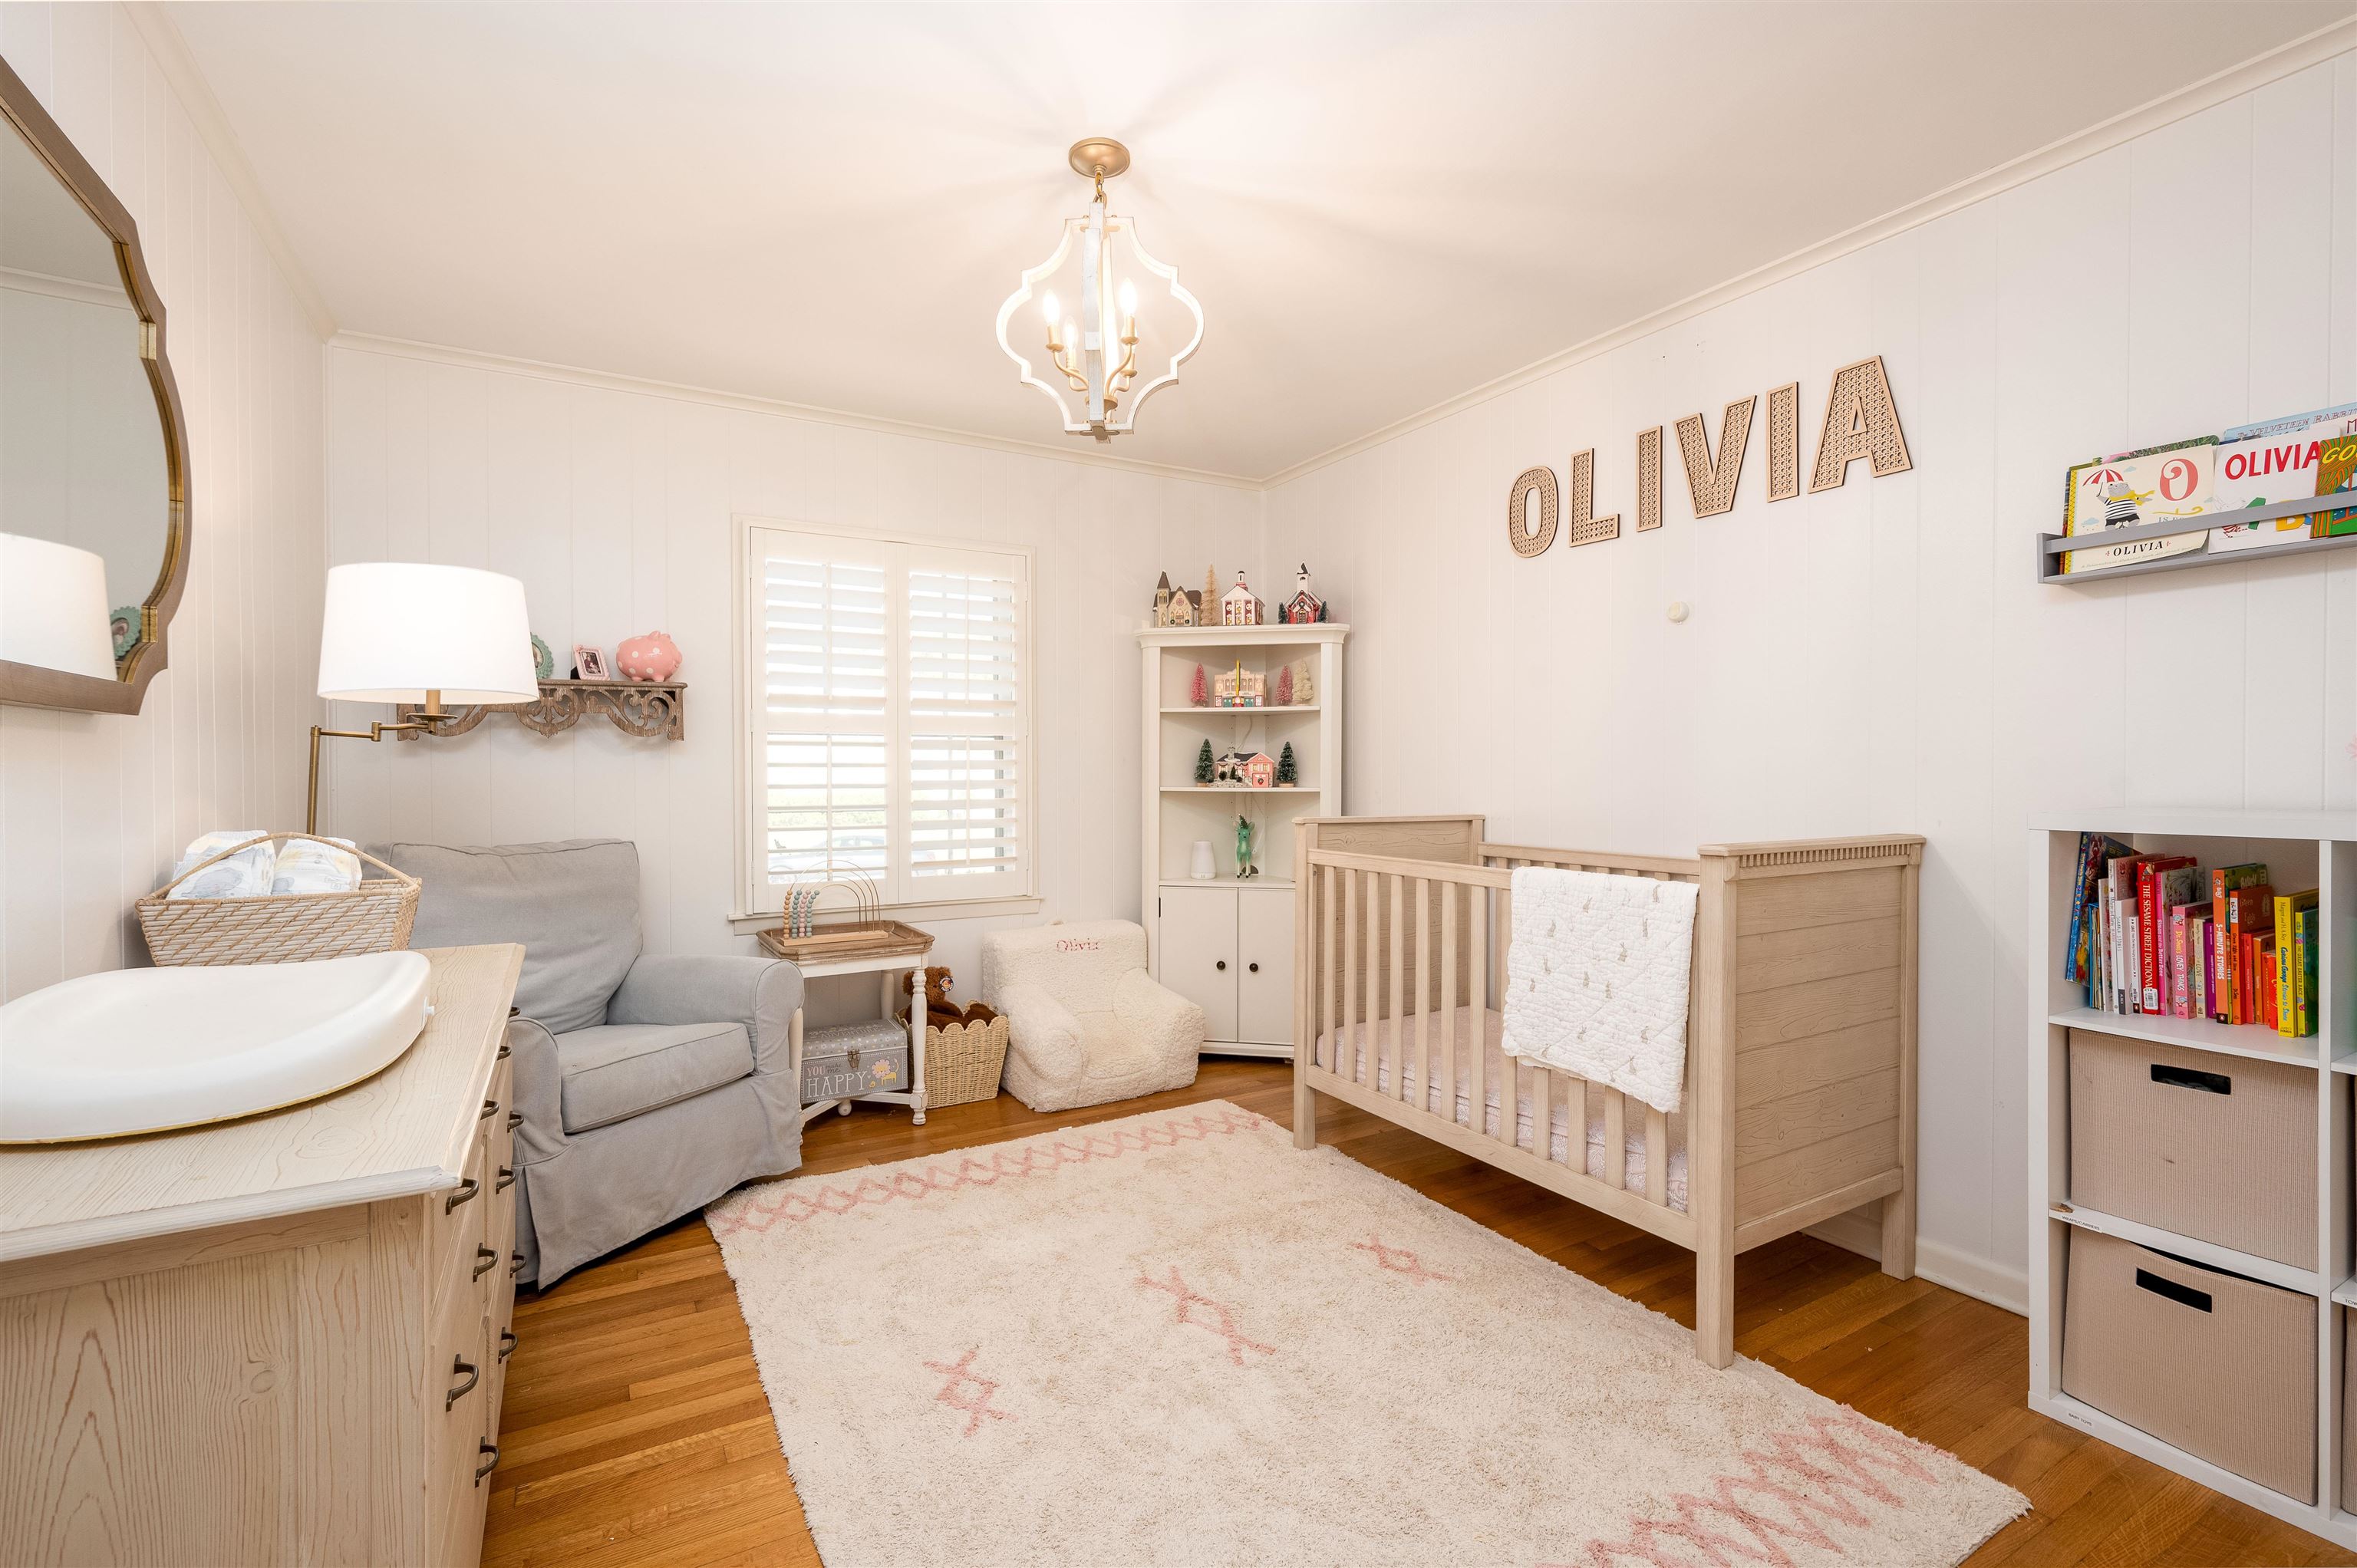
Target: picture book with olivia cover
2260 465
2155 483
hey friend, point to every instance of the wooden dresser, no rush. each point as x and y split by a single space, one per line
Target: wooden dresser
280 1340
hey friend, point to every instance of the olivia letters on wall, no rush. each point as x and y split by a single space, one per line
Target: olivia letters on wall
1861 421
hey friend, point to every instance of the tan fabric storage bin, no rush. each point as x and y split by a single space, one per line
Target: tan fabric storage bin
2348 1411
2222 1365
2220 1148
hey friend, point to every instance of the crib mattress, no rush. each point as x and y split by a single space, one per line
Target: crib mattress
1493 1073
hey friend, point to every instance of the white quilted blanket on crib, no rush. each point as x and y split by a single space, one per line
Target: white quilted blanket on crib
1596 978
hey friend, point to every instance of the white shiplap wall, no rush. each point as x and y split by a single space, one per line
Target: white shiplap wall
1878 656
615 508
94 806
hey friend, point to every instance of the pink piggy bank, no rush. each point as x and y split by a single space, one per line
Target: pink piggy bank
654 657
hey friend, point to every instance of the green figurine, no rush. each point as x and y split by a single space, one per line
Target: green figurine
1245 866
1203 764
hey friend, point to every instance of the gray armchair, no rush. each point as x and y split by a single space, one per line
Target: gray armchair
649 1083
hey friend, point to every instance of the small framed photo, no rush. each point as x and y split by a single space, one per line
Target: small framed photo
589 664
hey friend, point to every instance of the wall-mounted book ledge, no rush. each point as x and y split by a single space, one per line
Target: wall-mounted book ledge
2052 547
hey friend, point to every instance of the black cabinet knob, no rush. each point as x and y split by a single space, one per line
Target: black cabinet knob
1222 965
1253 967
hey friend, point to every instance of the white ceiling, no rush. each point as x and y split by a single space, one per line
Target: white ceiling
1379 206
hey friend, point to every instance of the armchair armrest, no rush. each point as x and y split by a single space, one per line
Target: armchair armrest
762 994
1147 1008
537 1080
1043 1031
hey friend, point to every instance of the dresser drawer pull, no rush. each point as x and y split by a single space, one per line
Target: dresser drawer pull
515 1264
490 1109
505 1179
474 1374
506 1051
507 1343
467 1187
484 1258
491 1452
515 1119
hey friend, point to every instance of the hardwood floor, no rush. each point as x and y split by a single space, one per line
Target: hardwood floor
635 1430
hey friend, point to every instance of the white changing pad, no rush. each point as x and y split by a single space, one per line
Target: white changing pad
1493 1072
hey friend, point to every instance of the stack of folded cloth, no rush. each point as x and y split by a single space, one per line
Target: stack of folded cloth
259 870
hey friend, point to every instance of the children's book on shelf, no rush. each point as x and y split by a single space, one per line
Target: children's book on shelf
2153 484
2294 918
2224 882
2261 465
2336 471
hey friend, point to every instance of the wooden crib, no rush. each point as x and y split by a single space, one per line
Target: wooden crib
1800 1087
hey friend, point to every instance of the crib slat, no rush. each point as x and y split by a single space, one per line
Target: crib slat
1477 942
1399 982
1329 1015
1449 1000
1375 999
1542 1113
1657 1156
1424 992
1347 1054
1615 1138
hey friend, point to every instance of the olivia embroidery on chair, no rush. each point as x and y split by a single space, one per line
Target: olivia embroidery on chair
759 1208
977 1404
1189 1299
1820 1469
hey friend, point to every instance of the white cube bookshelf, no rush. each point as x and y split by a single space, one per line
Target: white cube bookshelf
1228 944
2301 850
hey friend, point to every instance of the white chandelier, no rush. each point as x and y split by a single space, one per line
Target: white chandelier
1093 354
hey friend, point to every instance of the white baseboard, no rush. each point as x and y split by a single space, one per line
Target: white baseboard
1858 1231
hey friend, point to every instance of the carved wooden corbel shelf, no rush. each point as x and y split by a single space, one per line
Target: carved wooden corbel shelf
654 710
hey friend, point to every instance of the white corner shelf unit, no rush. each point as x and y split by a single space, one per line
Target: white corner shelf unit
2301 850
1225 943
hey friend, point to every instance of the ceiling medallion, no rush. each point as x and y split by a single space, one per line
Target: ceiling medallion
1091 365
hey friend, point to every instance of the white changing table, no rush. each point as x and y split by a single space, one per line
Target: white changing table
888 950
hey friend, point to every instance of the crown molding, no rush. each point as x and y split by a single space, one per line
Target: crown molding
186 79
505 364
2300 53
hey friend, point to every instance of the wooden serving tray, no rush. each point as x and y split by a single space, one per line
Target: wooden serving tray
863 939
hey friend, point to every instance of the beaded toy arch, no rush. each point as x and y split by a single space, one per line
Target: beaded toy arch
810 883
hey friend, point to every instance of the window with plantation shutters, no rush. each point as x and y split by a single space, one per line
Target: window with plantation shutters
888 707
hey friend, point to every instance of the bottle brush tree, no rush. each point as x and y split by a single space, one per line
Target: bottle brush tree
1283 696
1200 692
1286 773
1203 762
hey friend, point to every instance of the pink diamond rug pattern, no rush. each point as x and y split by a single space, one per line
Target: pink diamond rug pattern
1176 1339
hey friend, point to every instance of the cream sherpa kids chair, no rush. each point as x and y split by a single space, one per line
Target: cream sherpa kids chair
1085 1023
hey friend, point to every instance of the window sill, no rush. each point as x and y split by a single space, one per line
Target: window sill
916 914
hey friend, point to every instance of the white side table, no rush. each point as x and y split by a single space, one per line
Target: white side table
888 950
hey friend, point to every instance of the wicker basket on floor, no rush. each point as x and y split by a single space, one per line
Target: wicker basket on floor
963 1062
286 928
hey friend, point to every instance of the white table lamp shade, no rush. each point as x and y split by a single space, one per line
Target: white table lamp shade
396 630
53 608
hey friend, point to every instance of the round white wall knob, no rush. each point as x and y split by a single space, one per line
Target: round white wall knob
1678 609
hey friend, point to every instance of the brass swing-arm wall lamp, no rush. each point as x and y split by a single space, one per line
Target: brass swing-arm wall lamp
403 632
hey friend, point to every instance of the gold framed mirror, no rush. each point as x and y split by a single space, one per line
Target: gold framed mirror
94 448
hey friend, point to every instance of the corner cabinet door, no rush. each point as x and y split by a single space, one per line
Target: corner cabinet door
1265 973
1198 958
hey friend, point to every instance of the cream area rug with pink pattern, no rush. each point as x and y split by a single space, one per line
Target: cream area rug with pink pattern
1176 1338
